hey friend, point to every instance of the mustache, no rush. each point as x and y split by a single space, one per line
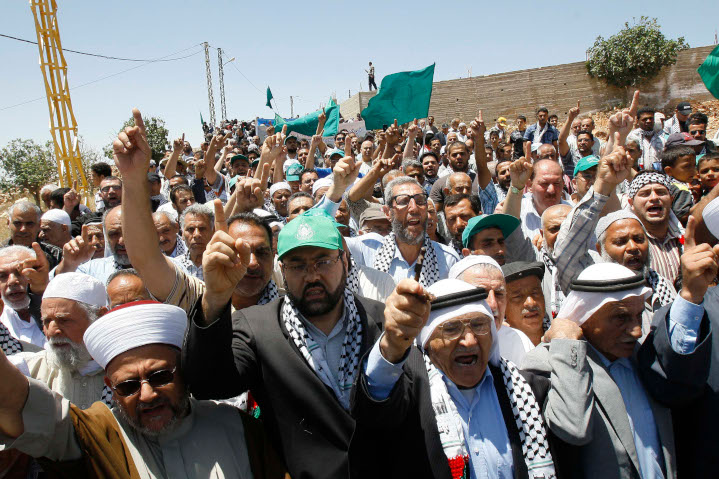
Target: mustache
533 309
160 401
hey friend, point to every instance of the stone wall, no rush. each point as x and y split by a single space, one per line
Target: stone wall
556 87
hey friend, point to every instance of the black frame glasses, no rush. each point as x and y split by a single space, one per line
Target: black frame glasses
320 267
455 328
420 199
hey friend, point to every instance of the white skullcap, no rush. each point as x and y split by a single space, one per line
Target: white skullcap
605 222
579 306
134 325
277 223
711 217
261 213
321 183
462 124
283 185
57 216
77 287
472 260
443 288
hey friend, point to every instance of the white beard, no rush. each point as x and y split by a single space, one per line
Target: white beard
19 305
71 358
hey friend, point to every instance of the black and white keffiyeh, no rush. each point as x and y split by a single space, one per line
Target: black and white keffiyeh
525 409
106 396
8 343
430 270
315 356
180 248
640 181
353 277
663 292
186 263
269 293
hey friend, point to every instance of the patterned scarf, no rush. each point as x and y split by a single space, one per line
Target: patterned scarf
8 343
640 181
527 417
557 294
430 269
269 293
663 293
315 357
353 277
180 248
186 263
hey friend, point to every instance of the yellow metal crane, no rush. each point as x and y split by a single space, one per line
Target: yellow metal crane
54 71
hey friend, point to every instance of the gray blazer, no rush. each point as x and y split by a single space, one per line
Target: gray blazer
585 411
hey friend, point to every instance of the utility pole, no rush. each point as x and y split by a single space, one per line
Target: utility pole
221 76
292 107
209 85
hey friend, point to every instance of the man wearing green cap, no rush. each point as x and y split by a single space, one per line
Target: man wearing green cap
293 175
486 235
584 174
299 356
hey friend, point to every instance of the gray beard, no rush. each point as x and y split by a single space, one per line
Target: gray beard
403 237
71 359
179 412
19 305
122 260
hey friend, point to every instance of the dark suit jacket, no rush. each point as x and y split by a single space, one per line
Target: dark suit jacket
689 384
308 426
407 416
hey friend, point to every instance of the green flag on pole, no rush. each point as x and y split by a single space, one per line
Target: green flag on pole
202 122
403 96
307 125
709 72
269 97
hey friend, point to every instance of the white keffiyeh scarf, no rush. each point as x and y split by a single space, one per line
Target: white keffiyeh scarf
315 356
527 417
539 133
430 270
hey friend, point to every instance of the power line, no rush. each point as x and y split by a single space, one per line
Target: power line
147 62
224 52
93 54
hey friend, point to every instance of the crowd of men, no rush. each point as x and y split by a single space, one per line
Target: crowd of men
459 302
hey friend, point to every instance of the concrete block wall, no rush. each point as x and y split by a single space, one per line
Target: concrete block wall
556 87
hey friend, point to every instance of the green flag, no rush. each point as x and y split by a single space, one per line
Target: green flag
709 72
279 121
269 97
202 122
403 96
307 125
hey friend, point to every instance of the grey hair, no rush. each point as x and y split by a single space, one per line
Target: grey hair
166 215
450 183
24 206
633 139
49 187
402 180
483 267
92 311
409 163
15 249
389 174
122 272
200 210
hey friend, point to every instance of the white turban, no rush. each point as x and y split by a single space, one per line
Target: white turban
325 182
283 185
579 306
711 217
134 325
77 287
444 288
57 216
472 260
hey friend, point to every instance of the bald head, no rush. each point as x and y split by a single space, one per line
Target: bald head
458 184
547 151
551 223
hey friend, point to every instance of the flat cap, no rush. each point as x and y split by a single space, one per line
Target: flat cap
522 269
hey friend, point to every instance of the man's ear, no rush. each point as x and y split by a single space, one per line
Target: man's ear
599 248
385 210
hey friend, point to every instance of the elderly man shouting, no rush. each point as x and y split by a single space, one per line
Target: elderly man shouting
597 405
155 429
463 411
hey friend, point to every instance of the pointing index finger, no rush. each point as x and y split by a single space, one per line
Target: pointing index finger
689 232
220 221
480 116
139 122
635 104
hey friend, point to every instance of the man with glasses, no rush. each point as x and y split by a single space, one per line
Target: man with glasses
111 195
584 175
452 404
298 355
155 429
697 128
407 252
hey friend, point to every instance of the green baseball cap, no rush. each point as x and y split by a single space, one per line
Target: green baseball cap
334 152
238 157
322 212
255 162
309 230
585 163
289 135
294 171
506 223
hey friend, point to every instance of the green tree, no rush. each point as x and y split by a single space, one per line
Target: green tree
156 136
26 165
636 54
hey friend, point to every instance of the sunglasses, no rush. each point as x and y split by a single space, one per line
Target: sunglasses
157 379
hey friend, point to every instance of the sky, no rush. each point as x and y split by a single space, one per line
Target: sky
308 50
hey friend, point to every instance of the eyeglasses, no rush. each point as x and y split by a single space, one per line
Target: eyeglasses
157 379
420 199
454 328
105 189
322 266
